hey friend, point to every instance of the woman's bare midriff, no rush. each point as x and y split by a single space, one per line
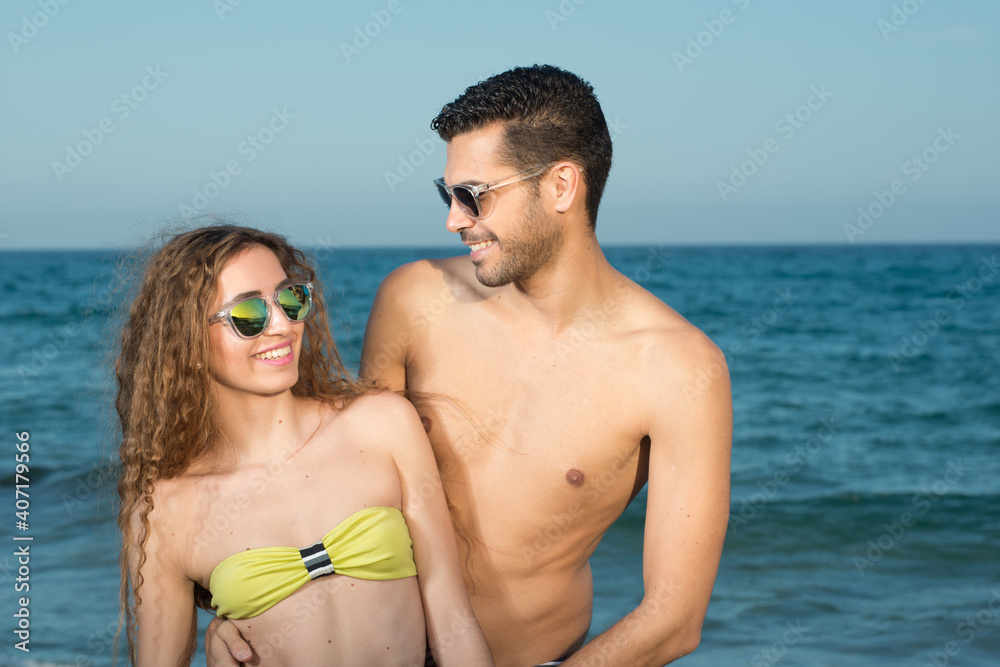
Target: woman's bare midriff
339 620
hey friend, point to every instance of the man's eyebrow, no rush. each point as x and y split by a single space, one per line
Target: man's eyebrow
471 181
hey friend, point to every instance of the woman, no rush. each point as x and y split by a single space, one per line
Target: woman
243 441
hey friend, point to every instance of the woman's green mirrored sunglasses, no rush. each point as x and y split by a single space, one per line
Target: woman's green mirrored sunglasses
250 317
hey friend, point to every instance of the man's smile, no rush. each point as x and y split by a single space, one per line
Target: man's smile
482 245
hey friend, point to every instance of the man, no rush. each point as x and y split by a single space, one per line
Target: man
543 434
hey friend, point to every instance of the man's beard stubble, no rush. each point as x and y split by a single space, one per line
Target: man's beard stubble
525 250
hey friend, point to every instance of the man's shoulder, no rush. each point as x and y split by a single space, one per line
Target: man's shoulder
429 278
674 368
667 343
380 421
377 409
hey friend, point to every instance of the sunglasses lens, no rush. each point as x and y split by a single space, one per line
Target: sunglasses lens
466 200
249 317
296 302
443 191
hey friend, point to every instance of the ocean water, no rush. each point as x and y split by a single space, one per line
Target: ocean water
865 521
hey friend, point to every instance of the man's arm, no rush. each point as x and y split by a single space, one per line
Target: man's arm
388 331
687 511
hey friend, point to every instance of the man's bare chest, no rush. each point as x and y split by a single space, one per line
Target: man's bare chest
551 417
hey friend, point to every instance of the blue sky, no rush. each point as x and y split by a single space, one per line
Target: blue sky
735 121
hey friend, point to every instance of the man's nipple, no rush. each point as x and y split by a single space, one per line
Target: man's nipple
426 421
574 477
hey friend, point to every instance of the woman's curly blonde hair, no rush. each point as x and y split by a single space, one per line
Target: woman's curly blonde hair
164 404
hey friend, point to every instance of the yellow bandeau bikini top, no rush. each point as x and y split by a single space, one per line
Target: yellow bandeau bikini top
373 543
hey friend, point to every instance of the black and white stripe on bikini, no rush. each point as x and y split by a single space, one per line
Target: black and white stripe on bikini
316 560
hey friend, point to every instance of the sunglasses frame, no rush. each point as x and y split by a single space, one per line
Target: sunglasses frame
476 190
227 312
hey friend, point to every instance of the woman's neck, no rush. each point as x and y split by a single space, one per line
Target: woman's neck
263 430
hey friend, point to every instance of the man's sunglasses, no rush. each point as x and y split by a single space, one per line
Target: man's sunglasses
250 317
467 196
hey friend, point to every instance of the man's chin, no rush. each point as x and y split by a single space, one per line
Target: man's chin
487 279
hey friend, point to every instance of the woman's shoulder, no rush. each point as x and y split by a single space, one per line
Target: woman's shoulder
165 514
171 496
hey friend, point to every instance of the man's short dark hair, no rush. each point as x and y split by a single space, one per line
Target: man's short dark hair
548 114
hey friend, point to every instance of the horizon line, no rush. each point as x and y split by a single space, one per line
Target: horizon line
638 244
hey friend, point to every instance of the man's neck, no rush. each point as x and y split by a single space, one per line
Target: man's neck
568 287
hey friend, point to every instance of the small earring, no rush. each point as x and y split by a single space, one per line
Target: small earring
198 365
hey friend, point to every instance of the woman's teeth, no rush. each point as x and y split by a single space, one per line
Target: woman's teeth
275 354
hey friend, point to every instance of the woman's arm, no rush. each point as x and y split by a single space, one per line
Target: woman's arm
452 630
165 614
